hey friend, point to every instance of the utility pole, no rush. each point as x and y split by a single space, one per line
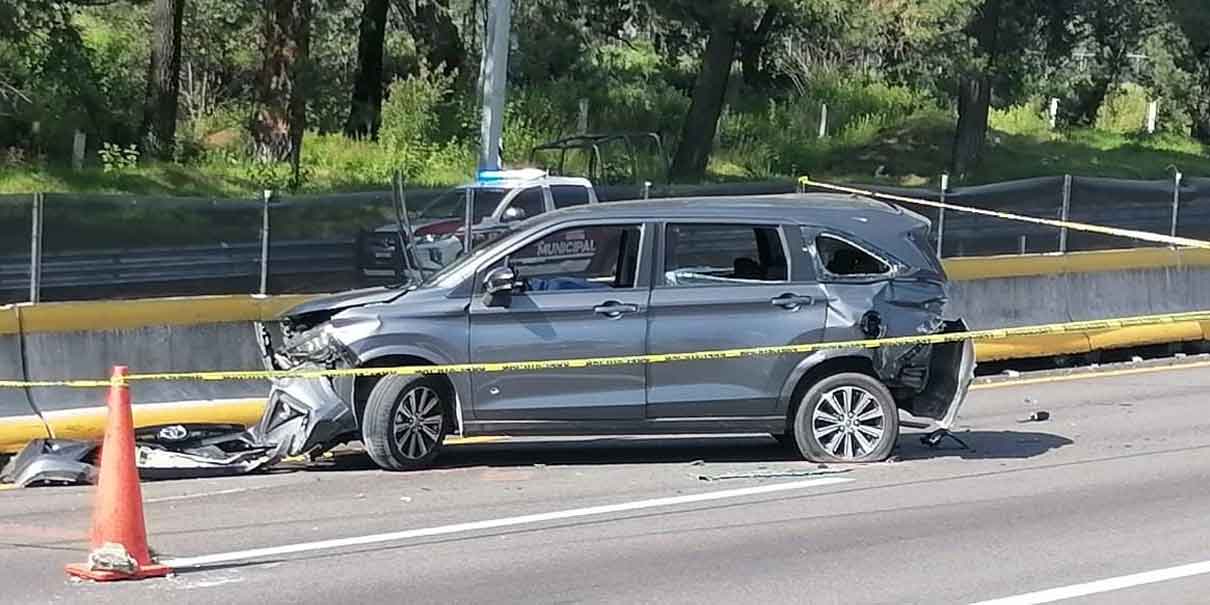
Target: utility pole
493 75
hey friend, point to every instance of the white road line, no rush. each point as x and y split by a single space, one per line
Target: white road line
193 496
1106 585
272 551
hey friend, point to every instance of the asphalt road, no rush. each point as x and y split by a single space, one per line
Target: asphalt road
1116 483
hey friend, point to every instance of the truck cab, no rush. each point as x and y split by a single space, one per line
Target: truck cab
500 199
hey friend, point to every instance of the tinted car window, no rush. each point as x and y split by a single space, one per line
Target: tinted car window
452 204
842 258
567 196
707 254
529 201
580 258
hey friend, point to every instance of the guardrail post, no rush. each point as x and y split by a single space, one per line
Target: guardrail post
945 184
35 250
1176 200
1065 212
264 242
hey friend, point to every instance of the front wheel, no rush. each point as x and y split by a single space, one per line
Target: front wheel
406 420
847 418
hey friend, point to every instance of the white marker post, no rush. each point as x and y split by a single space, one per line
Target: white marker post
823 121
77 150
1153 111
1054 112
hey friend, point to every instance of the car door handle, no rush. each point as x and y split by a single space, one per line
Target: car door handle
792 301
614 309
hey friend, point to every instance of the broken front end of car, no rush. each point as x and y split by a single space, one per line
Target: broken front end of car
306 415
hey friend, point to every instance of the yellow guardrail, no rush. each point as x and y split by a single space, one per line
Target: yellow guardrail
1048 330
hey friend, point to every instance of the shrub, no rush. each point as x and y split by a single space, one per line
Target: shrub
410 122
1026 119
118 159
1124 110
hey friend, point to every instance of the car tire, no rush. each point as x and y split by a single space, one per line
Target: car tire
846 418
405 422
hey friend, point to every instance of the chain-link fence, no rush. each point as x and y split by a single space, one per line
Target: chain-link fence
76 247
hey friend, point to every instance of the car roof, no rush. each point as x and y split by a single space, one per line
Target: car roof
847 212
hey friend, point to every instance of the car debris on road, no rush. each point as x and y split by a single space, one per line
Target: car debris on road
176 451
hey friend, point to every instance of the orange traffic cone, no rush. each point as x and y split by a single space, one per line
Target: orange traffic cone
119 538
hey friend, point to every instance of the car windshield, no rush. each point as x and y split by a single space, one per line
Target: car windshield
452 204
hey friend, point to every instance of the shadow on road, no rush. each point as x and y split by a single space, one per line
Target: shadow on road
983 445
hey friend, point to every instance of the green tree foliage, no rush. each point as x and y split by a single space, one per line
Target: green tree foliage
723 81
1193 19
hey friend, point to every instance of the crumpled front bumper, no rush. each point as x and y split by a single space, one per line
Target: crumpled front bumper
304 415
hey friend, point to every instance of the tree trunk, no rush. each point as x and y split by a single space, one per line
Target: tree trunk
974 100
1105 73
366 106
280 119
158 132
975 92
752 47
697 136
432 26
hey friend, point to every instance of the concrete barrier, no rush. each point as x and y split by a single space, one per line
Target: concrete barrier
82 340
1009 291
16 410
59 341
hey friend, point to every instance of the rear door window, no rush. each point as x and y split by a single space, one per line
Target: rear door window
723 254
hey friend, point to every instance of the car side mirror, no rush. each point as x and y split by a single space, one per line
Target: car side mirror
499 282
512 215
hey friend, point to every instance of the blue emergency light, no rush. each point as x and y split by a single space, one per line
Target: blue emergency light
523 174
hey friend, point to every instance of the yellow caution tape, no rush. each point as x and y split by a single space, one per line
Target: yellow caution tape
590 362
1075 226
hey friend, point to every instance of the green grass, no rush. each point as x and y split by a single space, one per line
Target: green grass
916 152
910 152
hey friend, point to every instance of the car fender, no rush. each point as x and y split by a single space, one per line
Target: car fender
810 362
368 352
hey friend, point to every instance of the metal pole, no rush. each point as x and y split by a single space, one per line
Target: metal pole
35 249
945 184
264 243
1021 245
470 207
1066 210
646 190
492 77
1176 200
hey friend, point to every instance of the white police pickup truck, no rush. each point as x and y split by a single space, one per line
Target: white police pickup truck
500 199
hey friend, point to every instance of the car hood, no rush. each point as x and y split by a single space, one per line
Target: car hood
333 303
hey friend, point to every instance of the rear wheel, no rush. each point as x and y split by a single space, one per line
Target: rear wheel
847 418
406 420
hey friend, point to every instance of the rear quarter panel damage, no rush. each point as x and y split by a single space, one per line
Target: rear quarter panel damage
928 381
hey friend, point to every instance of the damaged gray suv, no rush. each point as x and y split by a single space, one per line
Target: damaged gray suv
633 278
